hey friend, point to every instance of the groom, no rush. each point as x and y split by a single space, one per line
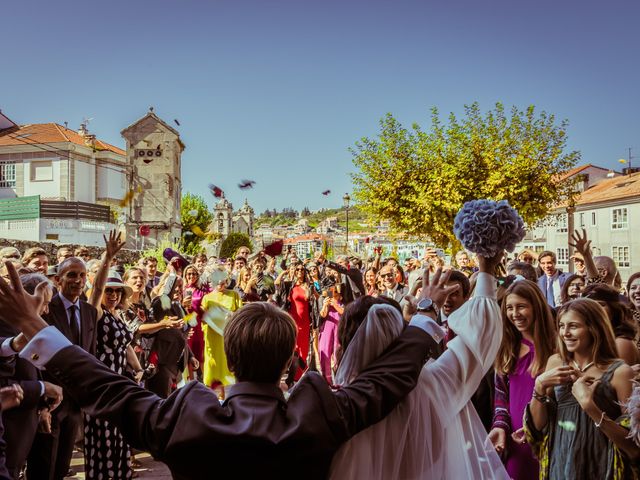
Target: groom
255 432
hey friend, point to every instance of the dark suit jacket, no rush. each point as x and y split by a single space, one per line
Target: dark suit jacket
58 317
255 433
353 282
21 422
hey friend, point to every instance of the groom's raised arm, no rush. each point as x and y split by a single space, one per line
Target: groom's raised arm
146 420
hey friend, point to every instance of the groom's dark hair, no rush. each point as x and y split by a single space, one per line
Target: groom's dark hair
353 316
258 341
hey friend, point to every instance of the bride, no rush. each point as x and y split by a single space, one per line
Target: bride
435 433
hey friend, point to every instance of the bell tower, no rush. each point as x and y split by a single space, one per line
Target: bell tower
154 180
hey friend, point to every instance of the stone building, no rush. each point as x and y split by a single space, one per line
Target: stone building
154 152
226 221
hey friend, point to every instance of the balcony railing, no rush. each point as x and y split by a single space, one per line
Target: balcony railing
33 207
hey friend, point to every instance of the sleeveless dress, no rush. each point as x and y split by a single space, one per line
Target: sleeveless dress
578 449
106 453
215 369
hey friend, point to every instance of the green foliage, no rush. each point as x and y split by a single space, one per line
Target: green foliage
194 227
157 252
231 244
419 180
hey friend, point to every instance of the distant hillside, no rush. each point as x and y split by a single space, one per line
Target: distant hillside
357 219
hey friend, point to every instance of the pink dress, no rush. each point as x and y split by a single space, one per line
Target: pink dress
196 342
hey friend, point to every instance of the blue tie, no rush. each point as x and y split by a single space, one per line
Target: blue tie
551 300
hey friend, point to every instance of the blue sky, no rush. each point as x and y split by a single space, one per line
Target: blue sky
277 91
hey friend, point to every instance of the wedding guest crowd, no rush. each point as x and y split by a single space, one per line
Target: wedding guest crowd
552 399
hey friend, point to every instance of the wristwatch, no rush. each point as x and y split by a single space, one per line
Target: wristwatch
427 305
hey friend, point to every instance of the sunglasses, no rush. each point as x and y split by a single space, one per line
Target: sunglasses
111 291
300 269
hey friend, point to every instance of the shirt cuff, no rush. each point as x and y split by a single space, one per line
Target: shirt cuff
42 389
43 346
5 349
486 286
429 325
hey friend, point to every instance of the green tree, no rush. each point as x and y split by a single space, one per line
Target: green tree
418 180
231 244
196 219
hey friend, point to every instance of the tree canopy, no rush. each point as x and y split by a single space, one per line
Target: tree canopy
196 218
418 180
234 241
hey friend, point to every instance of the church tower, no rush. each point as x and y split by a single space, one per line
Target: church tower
243 219
223 217
154 180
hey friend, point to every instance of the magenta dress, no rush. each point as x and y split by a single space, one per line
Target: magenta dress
328 342
196 342
521 464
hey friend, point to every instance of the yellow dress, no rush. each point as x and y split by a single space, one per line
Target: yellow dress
215 368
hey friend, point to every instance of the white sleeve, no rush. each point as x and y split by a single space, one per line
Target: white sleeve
454 377
429 325
43 346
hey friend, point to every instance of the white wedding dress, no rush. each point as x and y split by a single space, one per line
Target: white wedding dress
435 432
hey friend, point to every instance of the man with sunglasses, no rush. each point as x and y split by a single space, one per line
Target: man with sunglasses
392 289
50 455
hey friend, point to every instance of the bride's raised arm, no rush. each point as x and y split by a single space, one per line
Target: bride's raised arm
453 378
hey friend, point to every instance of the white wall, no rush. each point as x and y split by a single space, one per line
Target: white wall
48 186
84 232
111 181
20 229
84 182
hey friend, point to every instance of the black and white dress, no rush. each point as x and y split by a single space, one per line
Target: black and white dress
106 454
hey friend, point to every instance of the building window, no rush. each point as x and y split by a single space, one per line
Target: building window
619 219
561 223
42 171
582 225
593 219
563 256
7 174
620 255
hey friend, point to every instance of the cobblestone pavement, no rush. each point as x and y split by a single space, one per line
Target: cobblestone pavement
150 469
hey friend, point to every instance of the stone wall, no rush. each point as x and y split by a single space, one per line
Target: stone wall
126 257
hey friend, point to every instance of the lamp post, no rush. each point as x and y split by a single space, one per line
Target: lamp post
346 199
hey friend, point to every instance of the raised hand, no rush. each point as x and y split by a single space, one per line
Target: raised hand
489 264
114 244
53 395
583 390
581 243
436 289
18 307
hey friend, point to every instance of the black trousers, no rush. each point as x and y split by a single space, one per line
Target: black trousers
50 455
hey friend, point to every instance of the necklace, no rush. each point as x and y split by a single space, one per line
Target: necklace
585 368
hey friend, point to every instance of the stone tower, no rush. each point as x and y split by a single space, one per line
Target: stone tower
154 180
243 219
223 217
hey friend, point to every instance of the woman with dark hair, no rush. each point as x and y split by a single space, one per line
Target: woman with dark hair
620 315
434 432
370 281
527 343
575 421
572 288
106 453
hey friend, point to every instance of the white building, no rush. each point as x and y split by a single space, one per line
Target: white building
609 211
69 181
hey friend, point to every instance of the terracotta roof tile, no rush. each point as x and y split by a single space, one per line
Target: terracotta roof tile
617 188
42 133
